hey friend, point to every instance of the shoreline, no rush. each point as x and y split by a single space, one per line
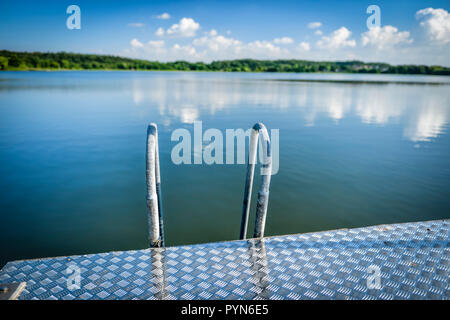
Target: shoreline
292 80
225 71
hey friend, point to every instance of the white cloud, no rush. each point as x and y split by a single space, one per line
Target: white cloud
216 42
187 27
163 16
159 32
385 37
263 48
136 24
156 43
216 46
135 43
283 40
337 45
436 23
304 46
152 49
185 50
338 39
318 32
314 25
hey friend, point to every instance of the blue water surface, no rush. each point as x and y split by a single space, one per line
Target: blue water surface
352 153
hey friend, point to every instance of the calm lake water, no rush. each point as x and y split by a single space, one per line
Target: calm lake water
72 155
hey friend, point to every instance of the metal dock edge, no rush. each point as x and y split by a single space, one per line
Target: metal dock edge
412 261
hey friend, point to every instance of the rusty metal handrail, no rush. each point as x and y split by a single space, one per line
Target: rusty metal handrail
153 179
263 193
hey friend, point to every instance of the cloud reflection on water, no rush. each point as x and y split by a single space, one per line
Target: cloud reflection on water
422 110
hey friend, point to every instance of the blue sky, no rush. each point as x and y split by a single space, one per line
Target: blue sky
410 31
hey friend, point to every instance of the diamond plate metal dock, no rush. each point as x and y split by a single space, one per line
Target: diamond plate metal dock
413 260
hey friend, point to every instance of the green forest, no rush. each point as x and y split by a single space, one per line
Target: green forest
15 61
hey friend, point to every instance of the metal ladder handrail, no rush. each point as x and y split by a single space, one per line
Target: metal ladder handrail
263 193
153 179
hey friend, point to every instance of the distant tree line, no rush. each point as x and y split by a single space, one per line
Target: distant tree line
10 60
